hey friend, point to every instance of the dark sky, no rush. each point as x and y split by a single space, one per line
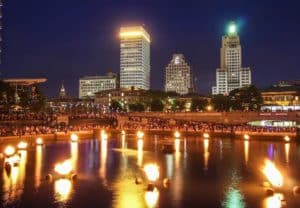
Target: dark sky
65 39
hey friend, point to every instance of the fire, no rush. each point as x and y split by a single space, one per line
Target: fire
22 145
63 189
287 138
246 137
140 134
74 137
39 141
152 172
273 174
9 151
64 168
206 135
177 134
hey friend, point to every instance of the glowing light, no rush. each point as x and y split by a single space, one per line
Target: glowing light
104 136
176 134
246 137
287 138
206 135
151 197
206 153
22 145
273 174
39 141
15 159
38 165
62 189
123 132
287 152
74 137
152 172
246 151
133 33
177 145
102 170
209 108
140 146
9 151
274 201
140 134
232 28
64 168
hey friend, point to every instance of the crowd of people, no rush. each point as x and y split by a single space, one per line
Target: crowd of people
151 123
27 116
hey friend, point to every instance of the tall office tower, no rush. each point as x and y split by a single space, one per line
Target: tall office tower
178 76
134 58
231 75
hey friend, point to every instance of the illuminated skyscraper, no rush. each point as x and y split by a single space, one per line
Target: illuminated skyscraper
178 75
231 75
134 58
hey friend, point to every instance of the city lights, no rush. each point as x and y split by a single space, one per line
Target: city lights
232 28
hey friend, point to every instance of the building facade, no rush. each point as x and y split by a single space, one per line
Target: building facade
89 85
178 76
281 98
231 75
134 58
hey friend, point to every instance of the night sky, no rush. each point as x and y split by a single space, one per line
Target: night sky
63 40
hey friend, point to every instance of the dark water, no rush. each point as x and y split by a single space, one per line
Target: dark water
203 173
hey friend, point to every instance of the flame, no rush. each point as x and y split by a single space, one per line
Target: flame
206 135
246 137
63 168
287 138
273 174
74 137
274 201
152 172
22 145
39 141
140 134
9 151
63 189
177 134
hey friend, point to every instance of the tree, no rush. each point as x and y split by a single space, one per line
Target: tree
246 98
221 102
138 107
198 104
115 106
156 105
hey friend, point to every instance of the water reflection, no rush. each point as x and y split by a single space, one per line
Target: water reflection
287 152
62 189
13 181
74 155
38 165
103 153
246 151
206 153
151 197
140 146
233 196
274 201
178 178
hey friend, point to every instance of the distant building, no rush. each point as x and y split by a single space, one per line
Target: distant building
123 96
89 85
231 75
134 58
282 98
178 76
62 92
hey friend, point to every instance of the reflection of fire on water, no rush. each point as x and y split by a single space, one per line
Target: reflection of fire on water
151 197
38 165
287 152
274 201
103 159
246 151
273 174
206 153
140 145
62 189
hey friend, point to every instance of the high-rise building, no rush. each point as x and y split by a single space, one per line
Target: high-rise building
89 85
134 58
62 92
231 75
178 76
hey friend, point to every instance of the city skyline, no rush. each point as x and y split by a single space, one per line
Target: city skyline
40 47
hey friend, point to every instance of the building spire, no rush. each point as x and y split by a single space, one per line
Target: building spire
62 92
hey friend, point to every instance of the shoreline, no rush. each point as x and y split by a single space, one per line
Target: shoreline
88 134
